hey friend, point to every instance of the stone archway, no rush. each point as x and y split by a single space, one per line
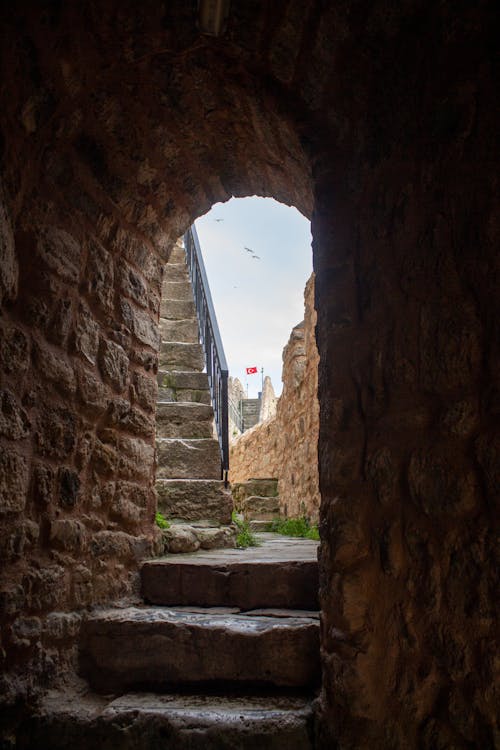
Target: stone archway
121 125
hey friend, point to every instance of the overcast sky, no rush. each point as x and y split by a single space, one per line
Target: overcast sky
258 295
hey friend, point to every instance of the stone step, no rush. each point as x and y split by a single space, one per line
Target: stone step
259 508
149 721
183 538
183 386
175 272
183 458
177 355
175 309
153 647
177 290
194 499
277 574
258 487
177 254
184 420
185 331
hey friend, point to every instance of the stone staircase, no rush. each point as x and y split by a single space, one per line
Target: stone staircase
191 494
222 651
225 655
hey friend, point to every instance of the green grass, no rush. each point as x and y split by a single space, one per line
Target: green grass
161 521
298 527
245 537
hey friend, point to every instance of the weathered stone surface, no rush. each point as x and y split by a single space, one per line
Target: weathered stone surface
14 350
142 325
145 390
113 363
176 309
194 499
56 368
56 433
183 386
260 508
179 458
191 722
8 261
14 481
68 534
280 573
61 252
185 420
180 538
261 487
14 422
86 334
177 290
182 356
99 276
176 271
185 331
164 647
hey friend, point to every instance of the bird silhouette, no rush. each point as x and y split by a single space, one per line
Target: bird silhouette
255 257
218 219
249 250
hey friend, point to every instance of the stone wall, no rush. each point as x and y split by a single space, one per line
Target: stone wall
286 446
120 125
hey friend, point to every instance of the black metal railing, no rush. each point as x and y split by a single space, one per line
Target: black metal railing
215 358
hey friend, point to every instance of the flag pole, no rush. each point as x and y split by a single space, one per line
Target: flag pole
262 379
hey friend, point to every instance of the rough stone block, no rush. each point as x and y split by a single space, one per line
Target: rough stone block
68 534
144 390
260 508
182 356
227 579
191 722
55 368
122 649
56 432
133 285
93 393
186 420
14 481
113 363
99 276
257 487
185 331
194 500
177 290
179 458
61 252
87 335
141 324
69 487
14 350
176 309
8 262
14 422
123 415
176 272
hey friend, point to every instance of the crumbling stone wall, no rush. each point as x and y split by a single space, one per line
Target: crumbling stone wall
120 124
286 446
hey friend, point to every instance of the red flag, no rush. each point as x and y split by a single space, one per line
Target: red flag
251 370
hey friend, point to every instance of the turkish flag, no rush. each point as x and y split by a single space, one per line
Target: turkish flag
251 370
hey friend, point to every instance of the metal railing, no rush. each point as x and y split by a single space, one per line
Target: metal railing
215 358
235 414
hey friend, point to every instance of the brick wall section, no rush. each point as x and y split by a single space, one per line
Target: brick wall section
286 446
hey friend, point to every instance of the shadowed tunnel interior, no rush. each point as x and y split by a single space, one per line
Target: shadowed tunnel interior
121 124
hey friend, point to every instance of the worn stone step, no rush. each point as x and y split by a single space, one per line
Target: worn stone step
177 355
177 290
152 647
149 721
277 574
194 499
177 309
185 331
256 487
186 458
175 272
184 420
259 508
182 538
177 254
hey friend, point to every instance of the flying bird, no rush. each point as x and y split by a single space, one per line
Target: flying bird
249 250
218 219
255 257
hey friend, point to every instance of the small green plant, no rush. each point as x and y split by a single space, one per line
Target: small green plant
245 537
298 527
161 521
